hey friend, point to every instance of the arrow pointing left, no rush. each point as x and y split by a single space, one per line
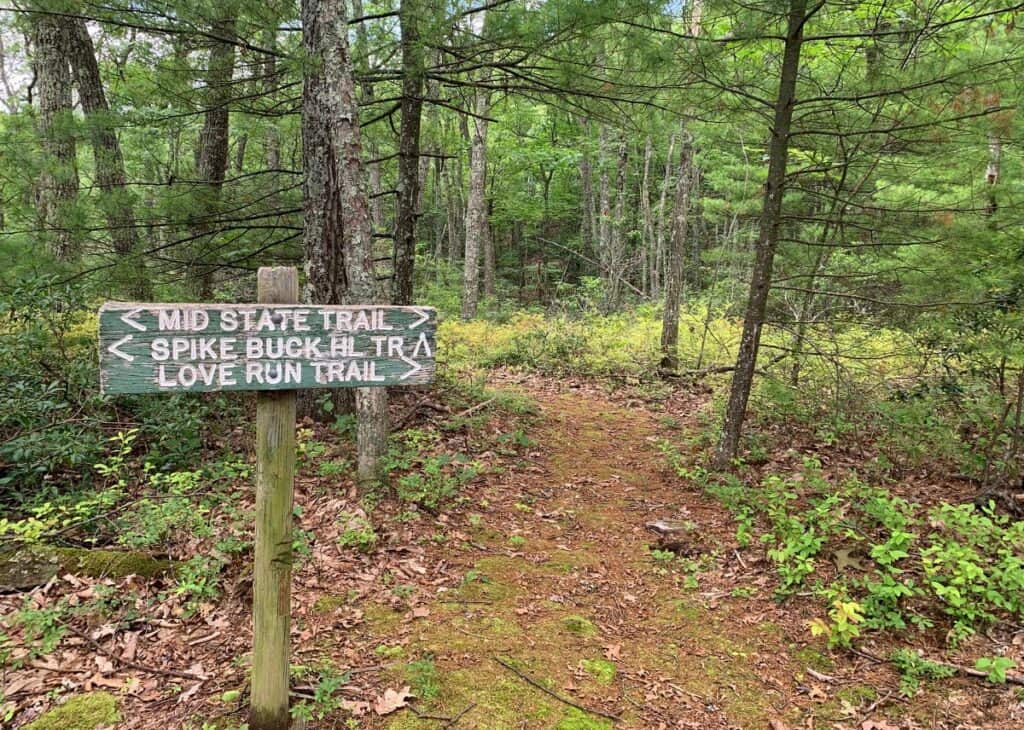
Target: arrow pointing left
129 319
112 349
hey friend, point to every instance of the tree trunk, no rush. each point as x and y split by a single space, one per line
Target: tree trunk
57 188
675 257
476 206
490 265
408 197
658 263
361 61
337 229
588 222
117 202
614 265
212 151
768 239
995 153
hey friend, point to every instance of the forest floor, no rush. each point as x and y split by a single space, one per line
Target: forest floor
536 604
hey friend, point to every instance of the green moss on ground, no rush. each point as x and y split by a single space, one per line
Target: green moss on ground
578 625
576 720
602 670
80 712
814 658
498 701
329 604
380 619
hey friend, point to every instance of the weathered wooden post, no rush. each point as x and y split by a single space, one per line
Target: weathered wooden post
276 347
272 569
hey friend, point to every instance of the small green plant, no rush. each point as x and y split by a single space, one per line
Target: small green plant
328 682
302 542
42 627
423 678
913 668
517 541
436 482
845 619
333 468
403 591
357 532
199 580
115 468
308 448
995 668
662 557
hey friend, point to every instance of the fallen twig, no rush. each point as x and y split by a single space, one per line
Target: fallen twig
958 668
564 700
474 409
134 665
819 676
449 721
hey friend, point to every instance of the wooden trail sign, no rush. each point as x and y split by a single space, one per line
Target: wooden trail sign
155 348
278 347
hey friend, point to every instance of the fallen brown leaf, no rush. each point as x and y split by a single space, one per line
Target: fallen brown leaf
392 700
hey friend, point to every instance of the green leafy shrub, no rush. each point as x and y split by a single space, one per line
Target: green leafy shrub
920 564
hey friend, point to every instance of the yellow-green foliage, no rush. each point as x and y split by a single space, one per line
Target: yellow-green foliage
81 712
625 344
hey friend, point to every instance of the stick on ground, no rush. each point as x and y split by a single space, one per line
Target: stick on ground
564 700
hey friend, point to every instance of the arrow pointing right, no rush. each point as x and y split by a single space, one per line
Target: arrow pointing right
423 315
112 349
416 367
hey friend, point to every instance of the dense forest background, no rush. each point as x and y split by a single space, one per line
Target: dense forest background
809 211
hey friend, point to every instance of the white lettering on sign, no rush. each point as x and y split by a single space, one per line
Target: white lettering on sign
147 348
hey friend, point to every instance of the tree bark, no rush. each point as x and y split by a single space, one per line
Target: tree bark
337 228
116 201
212 151
615 249
476 206
588 222
658 262
675 257
361 62
490 264
57 188
413 75
768 239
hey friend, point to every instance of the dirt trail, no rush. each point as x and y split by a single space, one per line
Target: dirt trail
565 589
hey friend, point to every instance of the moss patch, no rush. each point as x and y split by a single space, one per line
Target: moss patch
576 720
380 619
578 626
329 604
81 712
499 701
601 670
811 657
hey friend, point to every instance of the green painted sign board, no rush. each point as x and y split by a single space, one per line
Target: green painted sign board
190 348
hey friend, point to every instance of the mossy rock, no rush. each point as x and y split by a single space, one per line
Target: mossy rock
33 566
80 712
